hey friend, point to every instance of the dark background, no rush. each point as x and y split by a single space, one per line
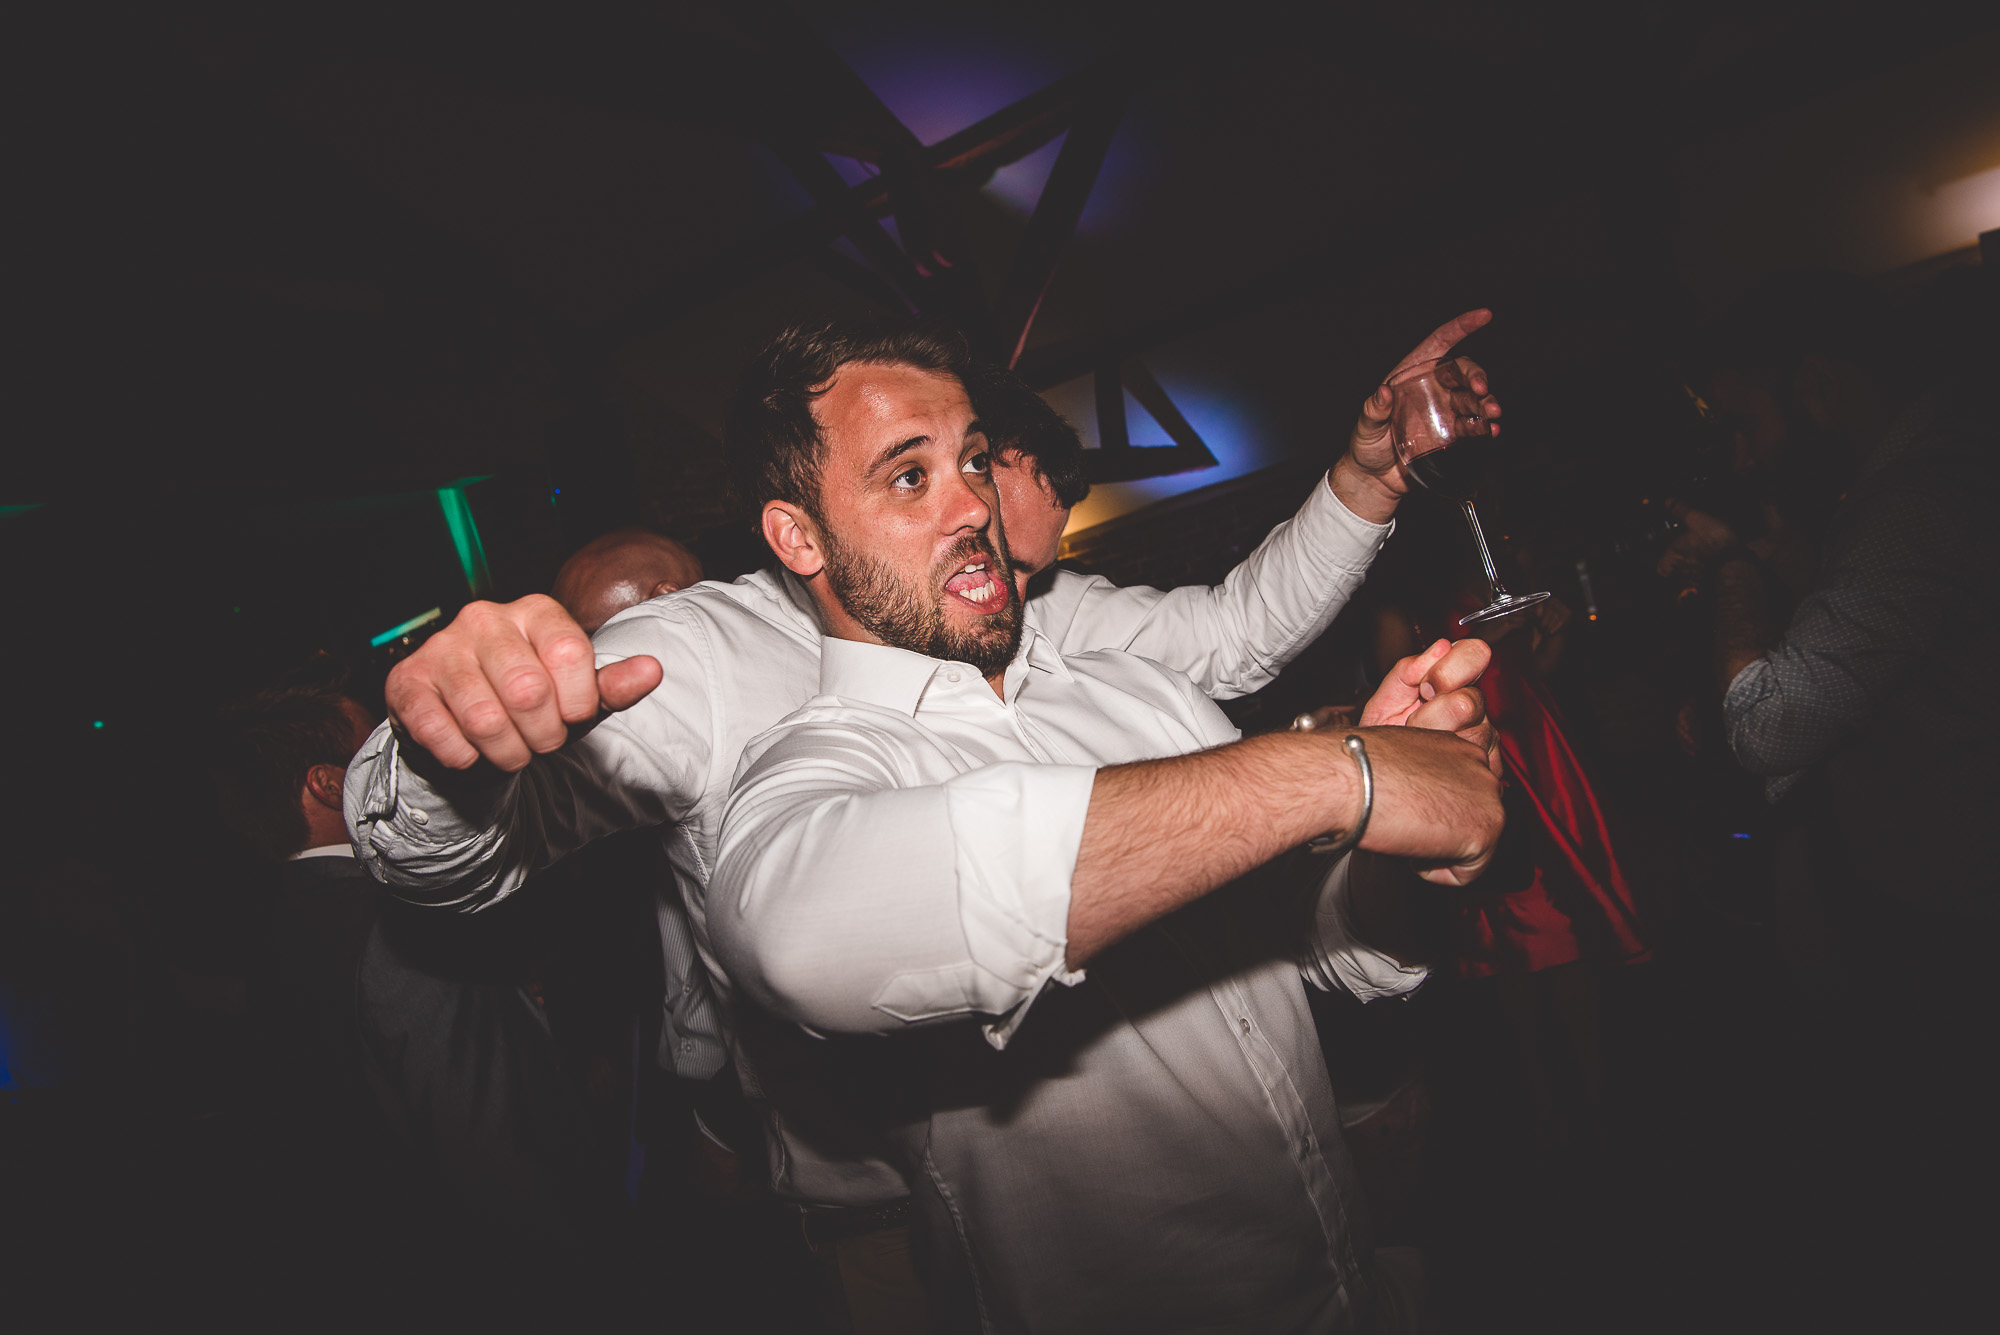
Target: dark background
278 274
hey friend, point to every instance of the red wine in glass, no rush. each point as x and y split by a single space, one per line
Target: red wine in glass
1454 471
1444 440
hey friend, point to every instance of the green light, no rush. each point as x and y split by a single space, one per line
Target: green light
465 535
397 632
9 511
97 723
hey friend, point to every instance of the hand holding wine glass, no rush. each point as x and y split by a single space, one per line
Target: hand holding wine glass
1367 477
1444 441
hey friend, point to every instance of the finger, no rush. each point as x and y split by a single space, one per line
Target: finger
1375 411
625 683
1452 712
421 712
523 687
1444 338
1459 875
481 717
1464 663
1475 376
566 658
1487 738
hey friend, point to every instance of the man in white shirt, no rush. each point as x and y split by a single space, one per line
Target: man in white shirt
694 676
964 815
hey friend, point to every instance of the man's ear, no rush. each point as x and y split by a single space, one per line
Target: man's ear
794 538
323 785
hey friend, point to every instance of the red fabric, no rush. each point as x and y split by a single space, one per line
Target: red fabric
1578 905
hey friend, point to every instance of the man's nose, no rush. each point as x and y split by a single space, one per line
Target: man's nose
966 505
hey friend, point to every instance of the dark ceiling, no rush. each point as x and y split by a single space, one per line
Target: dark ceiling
346 248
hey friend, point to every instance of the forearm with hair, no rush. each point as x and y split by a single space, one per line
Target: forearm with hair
1162 833
1742 619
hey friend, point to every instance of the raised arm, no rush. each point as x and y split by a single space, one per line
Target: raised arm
1235 637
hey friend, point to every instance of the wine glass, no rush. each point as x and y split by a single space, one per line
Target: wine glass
1444 440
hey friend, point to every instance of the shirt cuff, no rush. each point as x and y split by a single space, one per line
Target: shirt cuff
1341 959
405 831
1016 829
1352 541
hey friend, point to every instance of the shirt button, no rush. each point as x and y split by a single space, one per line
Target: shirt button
952 677
686 988
1245 1022
419 817
687 1045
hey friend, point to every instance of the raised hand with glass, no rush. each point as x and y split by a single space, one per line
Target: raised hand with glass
1444 441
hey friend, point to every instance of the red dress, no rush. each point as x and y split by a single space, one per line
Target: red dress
1578 905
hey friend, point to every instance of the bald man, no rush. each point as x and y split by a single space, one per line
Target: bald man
622 569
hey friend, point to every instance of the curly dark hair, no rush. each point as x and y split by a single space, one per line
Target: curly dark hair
1018 419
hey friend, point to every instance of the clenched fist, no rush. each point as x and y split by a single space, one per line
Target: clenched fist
505 681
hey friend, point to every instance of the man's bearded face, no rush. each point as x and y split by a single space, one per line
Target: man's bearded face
913 616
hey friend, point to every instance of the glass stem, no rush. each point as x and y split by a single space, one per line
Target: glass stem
1498 590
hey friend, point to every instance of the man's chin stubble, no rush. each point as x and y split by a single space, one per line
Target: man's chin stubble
888 611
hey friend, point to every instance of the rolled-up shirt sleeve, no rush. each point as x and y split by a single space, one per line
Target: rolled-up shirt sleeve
1337 959
850 897
1234 637
469 839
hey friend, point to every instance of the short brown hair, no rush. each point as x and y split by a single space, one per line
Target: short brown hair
774 439
260 753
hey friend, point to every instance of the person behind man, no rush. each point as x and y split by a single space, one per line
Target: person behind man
1868 713
1869 685
622 569
280 760
692 677
965 816
280 763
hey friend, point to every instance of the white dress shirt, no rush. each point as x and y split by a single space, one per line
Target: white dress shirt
1154 1147
739 657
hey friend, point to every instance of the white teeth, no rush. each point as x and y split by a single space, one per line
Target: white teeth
982 593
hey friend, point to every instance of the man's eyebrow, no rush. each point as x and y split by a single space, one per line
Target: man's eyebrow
897 451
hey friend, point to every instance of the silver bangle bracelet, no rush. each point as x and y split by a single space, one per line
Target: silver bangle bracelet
1326 843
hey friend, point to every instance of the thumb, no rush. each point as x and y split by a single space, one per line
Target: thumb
1461 665
625 683
1375 412
1401 690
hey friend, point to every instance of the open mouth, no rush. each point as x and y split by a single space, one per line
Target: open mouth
978 585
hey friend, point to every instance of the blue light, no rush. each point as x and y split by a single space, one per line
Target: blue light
1739 836
940 72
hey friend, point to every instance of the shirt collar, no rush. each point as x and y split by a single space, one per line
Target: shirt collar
323 851
878 674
